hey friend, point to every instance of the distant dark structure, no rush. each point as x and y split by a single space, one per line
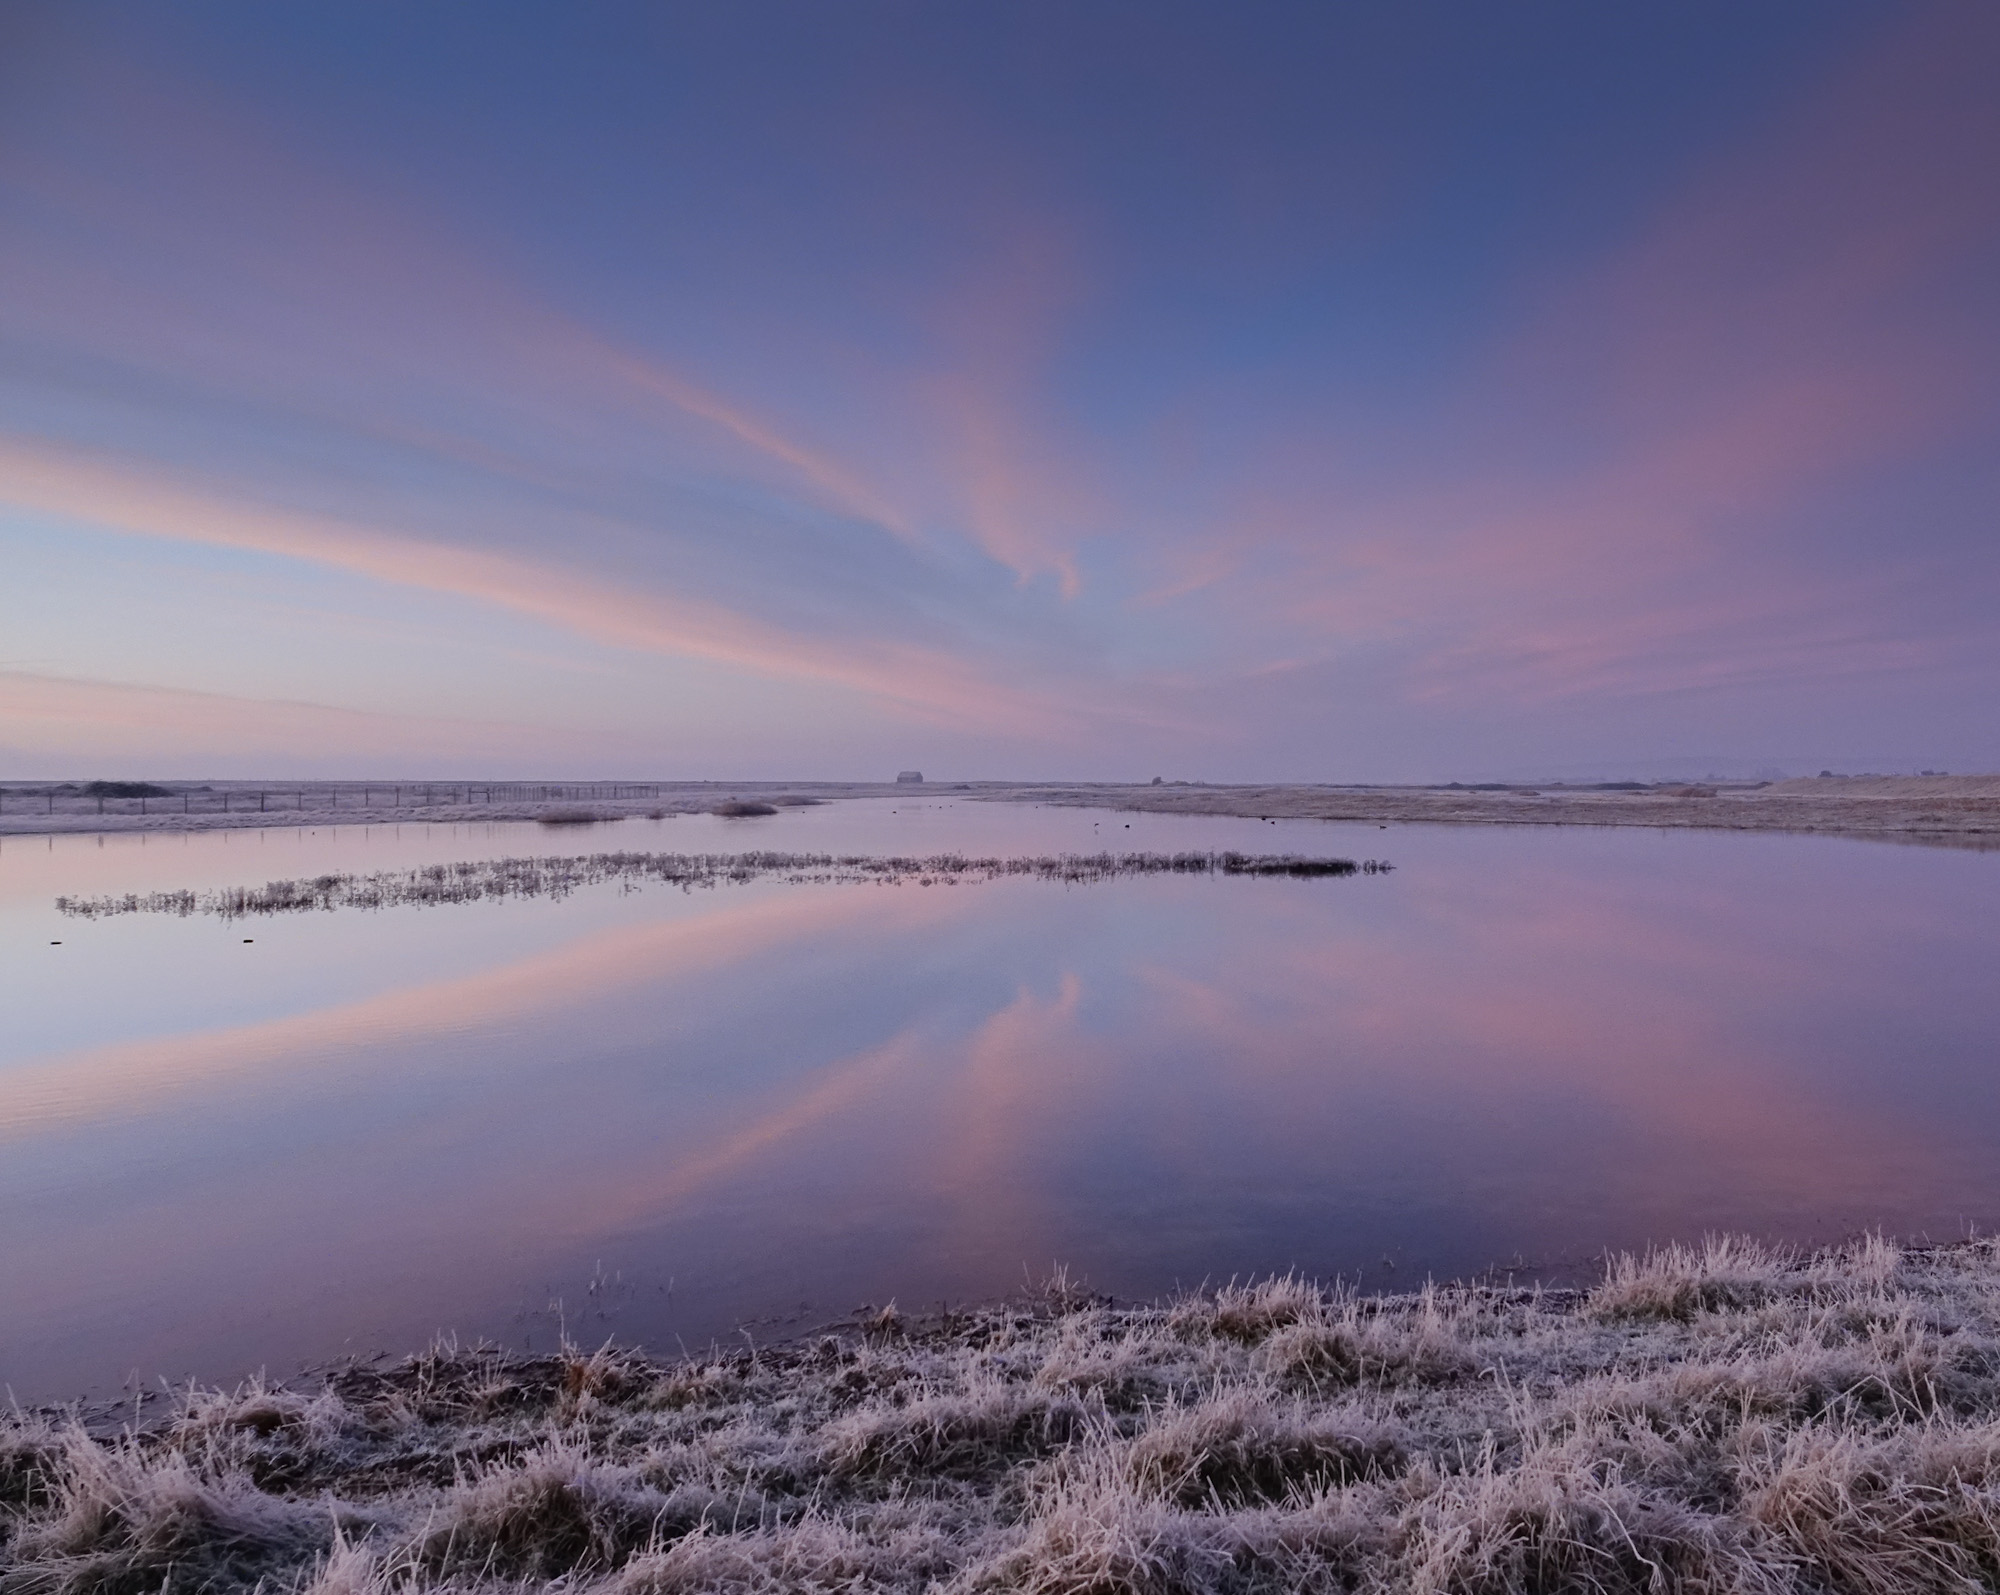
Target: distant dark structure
909 778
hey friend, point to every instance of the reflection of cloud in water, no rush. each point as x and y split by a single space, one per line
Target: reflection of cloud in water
1535 1043
983 1094
1581 1019
1012 1118
130 1079
839 1087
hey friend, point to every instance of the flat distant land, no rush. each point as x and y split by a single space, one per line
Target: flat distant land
1957 809
1948 810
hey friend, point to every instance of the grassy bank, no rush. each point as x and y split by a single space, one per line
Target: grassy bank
1728 1419
1946 811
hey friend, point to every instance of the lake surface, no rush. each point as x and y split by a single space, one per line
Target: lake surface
660 1115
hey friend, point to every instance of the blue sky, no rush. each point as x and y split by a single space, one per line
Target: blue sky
1252 392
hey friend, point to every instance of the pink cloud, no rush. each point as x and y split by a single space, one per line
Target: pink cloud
925 682
1618 481
66 721
993 461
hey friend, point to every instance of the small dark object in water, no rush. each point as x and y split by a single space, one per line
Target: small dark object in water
736 809
247 940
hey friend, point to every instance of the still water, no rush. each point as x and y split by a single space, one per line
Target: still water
660 1115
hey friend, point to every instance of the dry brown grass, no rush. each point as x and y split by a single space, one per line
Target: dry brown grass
1714 1418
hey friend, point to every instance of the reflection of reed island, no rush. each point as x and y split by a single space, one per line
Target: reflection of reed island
1728 1419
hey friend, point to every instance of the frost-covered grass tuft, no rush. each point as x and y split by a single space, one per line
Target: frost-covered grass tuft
1716 1418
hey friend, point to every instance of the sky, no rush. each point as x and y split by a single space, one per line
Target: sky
1320 392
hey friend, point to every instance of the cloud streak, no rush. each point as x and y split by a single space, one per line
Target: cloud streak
155 505
949 396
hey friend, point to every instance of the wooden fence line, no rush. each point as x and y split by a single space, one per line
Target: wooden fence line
329 794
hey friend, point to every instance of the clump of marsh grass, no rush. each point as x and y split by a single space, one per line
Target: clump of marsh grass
1717 1418
555 1512
126 1513
742 809
1679 1282
573 816
432 885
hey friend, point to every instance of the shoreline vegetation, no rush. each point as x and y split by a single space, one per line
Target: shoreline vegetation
1944 811
1947 811
1718 1418
480 880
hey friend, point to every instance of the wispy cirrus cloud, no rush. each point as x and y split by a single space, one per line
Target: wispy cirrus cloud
921 681
461 436
63 721
1648 484
996 426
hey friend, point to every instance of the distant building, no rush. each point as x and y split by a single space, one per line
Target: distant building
909 777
